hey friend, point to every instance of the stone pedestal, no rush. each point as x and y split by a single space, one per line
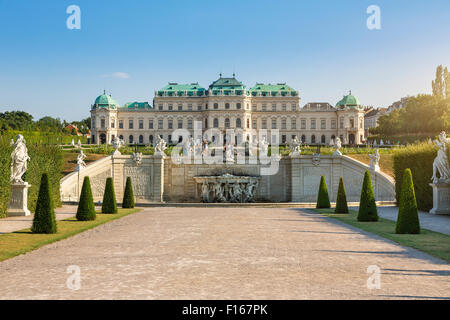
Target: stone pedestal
441 198
18 205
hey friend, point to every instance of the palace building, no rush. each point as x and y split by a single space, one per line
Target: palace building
227 104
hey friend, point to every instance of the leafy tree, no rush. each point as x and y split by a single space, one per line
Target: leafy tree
341 200
367 206
44 220
438 84
323 201
109 198
86 208
408 215
128 196
17 120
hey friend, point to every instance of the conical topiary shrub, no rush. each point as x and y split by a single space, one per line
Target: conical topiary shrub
408 216
86 208
109 198
323 201
367 206
44 220
128 196
341 200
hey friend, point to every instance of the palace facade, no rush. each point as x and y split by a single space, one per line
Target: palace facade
227 104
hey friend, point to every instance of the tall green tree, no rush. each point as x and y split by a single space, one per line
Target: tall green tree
438 83
408 215
44 220
86 208
128 196
367 205
109 198
323 200
341 200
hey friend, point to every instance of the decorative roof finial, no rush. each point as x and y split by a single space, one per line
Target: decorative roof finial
104 91
220 75
350 92
234 75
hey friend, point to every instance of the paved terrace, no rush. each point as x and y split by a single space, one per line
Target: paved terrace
224 253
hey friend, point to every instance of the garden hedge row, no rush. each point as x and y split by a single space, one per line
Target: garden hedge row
44 159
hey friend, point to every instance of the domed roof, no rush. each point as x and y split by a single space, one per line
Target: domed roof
105 101
349 101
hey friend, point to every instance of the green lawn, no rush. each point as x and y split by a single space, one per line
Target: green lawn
19 242
433 243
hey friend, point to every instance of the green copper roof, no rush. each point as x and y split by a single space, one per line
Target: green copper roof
105 101
349 101
272 89
227 84
175 89
136 105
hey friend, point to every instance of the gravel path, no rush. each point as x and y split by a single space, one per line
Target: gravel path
224 253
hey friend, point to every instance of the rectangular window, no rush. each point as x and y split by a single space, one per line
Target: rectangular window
180 124
120 124
333 124
264 124
160 124
170 107
283 107
170 124
283 138
323 124
254 126
264 107
199 108
293 124
160 107
274 107
189 107
274 124
170 138
180 107
254 107
130 124
294 107
283 124
189 124
141 124
341 124
313 123
102 123
303 123
113 124
150 124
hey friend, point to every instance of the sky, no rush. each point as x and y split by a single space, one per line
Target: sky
131 48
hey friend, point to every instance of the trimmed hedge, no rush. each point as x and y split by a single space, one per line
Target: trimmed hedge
44 220
323 201
109 198
44 159
86 208
408 215
128 196
419 158
341 200
367 206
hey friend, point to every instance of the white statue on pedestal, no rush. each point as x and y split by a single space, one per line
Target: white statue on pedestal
79 143
205 147
160 145
117 143
374 160
263 147
80 161
337 146
331 142
229 152
72 143
441 163
19 160
187 148
295 147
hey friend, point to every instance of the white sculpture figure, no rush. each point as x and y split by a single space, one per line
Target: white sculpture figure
160 145
375 143
19 158
374 160
295 147
332 142
79 143
218 192
263 147
198 147
441 163
337 146
12 142
187 148
250 190
229 152
381 142
236 193
137 158
72 143
429 141
80 161
205 192
117 143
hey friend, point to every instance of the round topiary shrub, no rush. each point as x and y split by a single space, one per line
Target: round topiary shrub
323 201
44 220
367 206
408 215
109 198
341 200
128 196
86 208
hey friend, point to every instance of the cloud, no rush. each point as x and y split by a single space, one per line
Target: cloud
117 75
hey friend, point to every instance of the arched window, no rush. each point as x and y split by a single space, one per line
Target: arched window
303 138
313 139
216 123
216 106
322 139
227 106
333 137
227 123
248 123
141 139
150 139
238 105
121 137
130 138
238 123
